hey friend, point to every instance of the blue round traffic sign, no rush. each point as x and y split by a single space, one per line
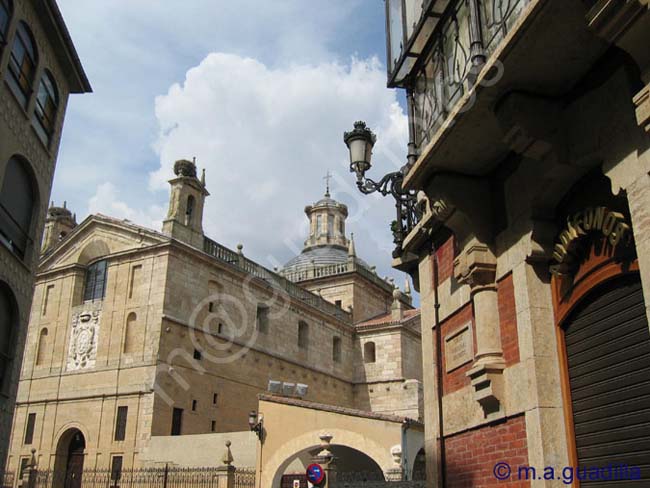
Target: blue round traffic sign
315 474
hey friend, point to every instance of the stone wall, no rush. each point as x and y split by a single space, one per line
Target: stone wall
18 138
66 394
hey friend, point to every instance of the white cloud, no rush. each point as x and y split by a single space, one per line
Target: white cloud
267 136
106 200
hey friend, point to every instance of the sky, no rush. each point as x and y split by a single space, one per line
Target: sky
259 92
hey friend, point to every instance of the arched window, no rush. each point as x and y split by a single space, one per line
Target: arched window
47 104
336 349
130 339
330 225
22 64
189 210
369 352
42 347
319 225
8 327
95 286
5 14
17 200
303 335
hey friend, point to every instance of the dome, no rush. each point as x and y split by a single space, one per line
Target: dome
317 257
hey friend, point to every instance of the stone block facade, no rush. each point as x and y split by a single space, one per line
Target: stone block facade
19 141
178 340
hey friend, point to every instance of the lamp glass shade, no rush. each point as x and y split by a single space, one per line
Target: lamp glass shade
252 418
358 150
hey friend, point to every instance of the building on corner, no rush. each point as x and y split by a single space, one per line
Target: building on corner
529 155
39 68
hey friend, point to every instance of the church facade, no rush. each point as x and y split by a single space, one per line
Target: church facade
136 335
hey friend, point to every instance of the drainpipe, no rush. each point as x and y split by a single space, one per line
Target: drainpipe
438 340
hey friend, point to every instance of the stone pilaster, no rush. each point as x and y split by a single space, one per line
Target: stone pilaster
642 104
476 266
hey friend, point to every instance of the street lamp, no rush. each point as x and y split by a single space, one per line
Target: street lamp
360 142
254 424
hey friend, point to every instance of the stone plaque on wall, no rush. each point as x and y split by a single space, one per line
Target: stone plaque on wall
83 340
459 348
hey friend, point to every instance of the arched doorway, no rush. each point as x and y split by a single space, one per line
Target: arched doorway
607 344
70 459
351 464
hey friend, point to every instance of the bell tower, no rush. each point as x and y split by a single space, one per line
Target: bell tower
185 217
58 224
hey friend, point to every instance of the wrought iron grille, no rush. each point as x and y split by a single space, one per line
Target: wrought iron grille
7 479
469 32
362 479
245 478
164 477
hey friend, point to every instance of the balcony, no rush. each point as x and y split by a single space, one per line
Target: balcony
479 51
455 32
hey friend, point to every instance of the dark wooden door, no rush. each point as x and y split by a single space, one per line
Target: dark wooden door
74 471
608 354
75 464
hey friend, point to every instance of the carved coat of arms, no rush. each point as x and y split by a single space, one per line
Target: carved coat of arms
83 340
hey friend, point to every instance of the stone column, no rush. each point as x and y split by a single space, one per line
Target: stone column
476 266
226 472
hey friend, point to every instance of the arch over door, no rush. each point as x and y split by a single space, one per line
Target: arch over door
608 358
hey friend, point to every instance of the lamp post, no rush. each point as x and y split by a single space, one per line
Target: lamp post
360 142
256 425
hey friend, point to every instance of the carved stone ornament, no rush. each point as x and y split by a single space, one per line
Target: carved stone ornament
83 340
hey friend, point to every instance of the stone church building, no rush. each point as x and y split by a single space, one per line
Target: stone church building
137 335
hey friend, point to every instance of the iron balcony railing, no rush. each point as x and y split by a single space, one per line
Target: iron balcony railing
242 263
468 33
441 47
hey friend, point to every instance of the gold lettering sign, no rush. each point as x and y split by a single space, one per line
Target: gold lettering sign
610 224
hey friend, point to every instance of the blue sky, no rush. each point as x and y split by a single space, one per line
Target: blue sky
260 92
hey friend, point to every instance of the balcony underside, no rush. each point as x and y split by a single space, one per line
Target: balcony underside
547 54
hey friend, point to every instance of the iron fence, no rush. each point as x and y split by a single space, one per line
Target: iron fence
245 478
7 479
163 477
372 479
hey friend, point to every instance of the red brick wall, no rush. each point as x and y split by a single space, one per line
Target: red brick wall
445 254
470 456
456 379
508 320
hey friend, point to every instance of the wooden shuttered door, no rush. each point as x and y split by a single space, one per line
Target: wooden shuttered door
608 354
